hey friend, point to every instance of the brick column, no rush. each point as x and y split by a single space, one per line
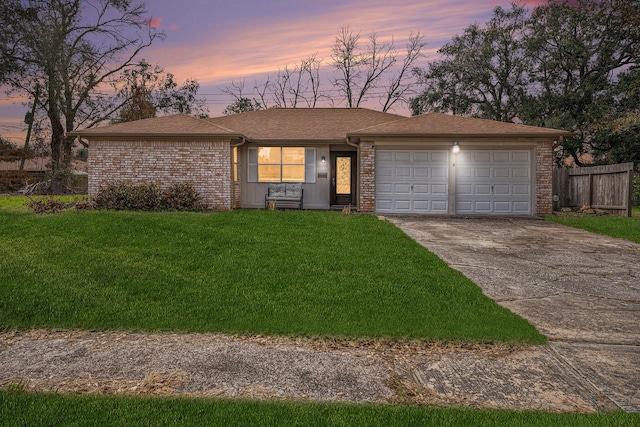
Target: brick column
367 177
544 178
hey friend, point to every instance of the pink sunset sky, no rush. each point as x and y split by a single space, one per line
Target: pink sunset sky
220 41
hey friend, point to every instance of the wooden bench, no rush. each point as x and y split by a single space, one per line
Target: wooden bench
289 192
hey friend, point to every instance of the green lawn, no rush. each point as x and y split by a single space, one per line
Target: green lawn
49 409
242 272
614 226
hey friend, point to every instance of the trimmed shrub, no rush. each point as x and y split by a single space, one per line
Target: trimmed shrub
635 197
180 197
148 197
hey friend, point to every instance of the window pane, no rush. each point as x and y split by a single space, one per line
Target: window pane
235 164
269 173
269 155
293 155
292 173
343 175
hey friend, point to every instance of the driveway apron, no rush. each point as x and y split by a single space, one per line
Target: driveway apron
580 289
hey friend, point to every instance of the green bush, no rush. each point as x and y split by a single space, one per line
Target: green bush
180 197
148 197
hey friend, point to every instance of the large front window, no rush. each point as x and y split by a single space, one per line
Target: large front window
281 164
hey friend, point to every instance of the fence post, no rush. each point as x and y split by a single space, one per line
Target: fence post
630 192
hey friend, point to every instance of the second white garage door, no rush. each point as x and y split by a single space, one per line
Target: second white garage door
496 182
412 181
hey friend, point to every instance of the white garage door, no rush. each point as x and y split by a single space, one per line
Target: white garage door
494 182
412 181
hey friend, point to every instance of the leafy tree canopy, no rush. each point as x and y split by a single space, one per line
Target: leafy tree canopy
567 64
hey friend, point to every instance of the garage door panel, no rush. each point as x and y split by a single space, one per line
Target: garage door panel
439 206
494 182
440 157
522 207
481 156
482 172
402 172
521 172
440 189
482 190
421 189
439 172
521 190
521 156
402 188
417 183
402 156
421 172
502 172
501 156
384 156
502 207
502 189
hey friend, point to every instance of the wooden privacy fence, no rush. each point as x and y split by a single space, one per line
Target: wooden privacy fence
607 187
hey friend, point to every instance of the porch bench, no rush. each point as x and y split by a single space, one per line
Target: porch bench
290 192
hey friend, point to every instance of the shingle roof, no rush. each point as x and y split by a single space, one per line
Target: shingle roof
166 126
303 124
313 124
437 124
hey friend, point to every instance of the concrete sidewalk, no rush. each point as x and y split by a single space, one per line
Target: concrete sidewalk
580 289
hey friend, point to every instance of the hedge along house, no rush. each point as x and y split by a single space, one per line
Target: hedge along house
373 161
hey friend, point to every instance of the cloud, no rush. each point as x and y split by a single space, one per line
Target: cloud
225 49
174 27
155 22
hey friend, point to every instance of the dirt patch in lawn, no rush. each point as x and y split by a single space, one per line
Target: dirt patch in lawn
261 367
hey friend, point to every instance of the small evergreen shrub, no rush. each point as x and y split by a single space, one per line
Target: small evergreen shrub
148 197
183 196
635 197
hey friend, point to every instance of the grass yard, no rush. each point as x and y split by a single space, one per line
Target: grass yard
240 272
614 226
49 409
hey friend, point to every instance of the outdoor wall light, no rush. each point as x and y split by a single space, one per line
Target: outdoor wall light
456 147
323 160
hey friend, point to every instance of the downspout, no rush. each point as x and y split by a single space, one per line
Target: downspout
346 139
243 141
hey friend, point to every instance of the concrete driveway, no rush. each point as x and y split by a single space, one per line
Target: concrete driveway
580 289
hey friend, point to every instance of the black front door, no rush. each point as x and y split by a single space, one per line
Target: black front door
343 178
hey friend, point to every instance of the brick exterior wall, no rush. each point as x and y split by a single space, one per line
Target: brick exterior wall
205 164
367 177
544 178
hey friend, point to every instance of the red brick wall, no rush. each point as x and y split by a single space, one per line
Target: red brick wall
544 178
367 171
205 164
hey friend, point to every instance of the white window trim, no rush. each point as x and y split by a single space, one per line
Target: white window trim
309 164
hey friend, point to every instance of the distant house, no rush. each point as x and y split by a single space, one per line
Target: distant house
373 161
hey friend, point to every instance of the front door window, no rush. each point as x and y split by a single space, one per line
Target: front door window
343 175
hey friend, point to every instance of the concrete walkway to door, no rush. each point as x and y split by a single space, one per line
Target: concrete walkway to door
580 289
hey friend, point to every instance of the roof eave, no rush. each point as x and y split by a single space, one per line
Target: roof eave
126 136
463 135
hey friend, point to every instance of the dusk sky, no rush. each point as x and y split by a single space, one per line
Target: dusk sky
218 41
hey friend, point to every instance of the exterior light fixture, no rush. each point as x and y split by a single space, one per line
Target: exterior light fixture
456 147
323 160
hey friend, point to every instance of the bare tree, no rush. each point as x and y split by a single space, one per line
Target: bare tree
72 49
402 85
361 72
361 69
